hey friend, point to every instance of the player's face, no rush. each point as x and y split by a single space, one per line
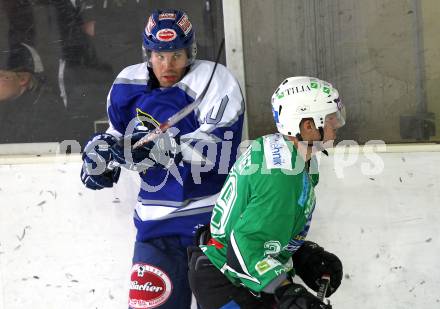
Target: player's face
310 133
169 67
10 86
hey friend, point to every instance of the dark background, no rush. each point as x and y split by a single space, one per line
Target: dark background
56 28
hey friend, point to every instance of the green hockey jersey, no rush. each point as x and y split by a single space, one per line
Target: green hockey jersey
263 213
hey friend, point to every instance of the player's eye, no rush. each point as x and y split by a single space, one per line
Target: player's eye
177 56
5 76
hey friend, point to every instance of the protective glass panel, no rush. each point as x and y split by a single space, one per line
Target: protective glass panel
382 56
58 60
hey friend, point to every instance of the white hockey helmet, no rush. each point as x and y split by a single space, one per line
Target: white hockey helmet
303 97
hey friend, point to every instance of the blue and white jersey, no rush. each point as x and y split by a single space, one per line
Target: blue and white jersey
170 205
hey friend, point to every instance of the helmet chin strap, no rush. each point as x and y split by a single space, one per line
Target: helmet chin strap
310 144
321 132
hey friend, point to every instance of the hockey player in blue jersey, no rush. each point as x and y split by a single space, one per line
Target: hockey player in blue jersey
177 194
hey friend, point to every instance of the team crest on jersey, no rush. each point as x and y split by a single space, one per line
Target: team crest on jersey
166 35
150 287
146 119
185 24
163 16
150 25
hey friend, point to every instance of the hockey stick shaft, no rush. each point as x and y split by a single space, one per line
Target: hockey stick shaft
183 112
325 281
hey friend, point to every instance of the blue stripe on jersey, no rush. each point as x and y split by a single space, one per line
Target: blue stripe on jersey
183 226
305 190
295 243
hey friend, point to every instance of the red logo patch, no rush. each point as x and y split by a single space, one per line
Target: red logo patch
185 24
166 35
150 287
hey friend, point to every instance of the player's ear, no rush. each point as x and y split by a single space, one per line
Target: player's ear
23 78
307 125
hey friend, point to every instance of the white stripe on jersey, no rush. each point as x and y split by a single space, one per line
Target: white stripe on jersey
225 267
240 258
146 213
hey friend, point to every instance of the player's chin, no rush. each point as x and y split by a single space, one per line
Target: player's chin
168 81
329 142
166 84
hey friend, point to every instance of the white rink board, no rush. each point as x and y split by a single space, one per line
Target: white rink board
62 246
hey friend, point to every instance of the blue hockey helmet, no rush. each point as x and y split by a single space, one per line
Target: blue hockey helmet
169 30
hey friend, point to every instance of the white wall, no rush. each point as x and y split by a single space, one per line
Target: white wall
62 246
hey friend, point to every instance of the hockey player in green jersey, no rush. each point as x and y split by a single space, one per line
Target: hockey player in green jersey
263 213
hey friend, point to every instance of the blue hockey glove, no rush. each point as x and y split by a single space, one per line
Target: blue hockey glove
94 173
162 152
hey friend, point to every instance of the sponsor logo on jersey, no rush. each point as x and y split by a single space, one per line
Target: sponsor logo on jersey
185 24
276 147
166 35
265 265
171 16
277 152
150 25
150 287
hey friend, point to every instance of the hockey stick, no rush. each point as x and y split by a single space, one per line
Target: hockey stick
323 286
183 112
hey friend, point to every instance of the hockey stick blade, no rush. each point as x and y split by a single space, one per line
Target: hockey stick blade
183 112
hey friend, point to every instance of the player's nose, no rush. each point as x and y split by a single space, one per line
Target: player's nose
168 62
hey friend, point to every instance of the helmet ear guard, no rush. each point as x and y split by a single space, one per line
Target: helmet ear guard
169 30
302 97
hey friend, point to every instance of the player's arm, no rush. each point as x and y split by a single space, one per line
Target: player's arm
264 229
220 117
